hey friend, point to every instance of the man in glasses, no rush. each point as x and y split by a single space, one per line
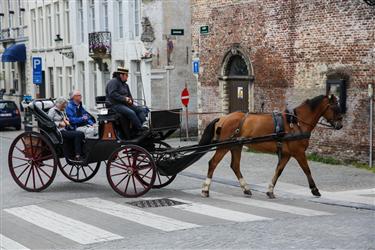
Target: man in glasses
79 118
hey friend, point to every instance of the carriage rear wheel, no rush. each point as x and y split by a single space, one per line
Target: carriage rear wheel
78 172
131 171
160 180
32 161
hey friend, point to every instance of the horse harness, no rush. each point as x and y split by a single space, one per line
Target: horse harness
279 134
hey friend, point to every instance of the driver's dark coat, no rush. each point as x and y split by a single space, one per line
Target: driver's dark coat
116 91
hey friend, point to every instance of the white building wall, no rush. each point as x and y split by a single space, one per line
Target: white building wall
126 51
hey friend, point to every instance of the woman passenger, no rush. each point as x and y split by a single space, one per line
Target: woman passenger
57 114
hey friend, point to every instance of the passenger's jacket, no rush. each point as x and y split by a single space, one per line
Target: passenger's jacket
75 114
57 116
116 91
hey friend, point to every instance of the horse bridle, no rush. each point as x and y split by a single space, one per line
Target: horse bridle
328 125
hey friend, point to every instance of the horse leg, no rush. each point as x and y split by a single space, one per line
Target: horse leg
235 165
302 161
279 169
212 164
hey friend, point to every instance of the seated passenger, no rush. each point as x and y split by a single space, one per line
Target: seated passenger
58 115
79 118
121 100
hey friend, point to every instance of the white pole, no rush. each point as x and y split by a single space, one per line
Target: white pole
371 96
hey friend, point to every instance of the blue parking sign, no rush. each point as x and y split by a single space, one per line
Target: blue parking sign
196 66
37 70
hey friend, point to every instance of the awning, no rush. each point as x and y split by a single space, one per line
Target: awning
15 53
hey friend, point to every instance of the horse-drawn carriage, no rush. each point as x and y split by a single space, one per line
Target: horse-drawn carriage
131 170
134 165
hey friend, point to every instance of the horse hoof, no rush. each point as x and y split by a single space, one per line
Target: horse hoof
270 195
247 192
205 194
315 192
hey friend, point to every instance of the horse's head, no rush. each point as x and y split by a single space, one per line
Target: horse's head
332 112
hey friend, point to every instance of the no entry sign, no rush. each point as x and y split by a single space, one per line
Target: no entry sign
185 97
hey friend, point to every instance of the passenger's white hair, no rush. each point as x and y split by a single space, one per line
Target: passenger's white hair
73 93
60 101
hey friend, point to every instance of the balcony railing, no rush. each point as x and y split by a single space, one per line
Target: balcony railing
13 33
100 44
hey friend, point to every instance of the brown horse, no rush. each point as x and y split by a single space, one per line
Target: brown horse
237 124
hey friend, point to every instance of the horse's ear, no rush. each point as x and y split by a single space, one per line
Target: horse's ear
331 98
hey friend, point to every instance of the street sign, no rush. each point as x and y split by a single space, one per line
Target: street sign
37 70
177 32
204 30
185 97
196 66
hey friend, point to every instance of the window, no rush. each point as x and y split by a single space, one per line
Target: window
51 82
136 18
57 20
138 78
80 20
20 13
40 27
69 79
60 81
94 82
11 13
13 75
81 79
120 19
49 25
105 15
92 15
67 22
33 29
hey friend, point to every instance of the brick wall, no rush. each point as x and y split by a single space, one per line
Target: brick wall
292 45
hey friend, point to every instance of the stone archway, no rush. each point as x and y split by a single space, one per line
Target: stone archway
236 81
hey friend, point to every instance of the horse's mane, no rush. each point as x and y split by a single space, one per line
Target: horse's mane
314 102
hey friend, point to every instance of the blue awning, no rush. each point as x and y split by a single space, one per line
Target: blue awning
15 53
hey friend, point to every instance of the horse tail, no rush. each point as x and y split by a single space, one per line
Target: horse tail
208 133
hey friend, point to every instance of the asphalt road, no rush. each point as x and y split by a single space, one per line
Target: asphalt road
92 216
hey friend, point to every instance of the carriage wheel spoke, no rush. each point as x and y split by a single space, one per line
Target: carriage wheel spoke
41 169
28 175
118 166
33 177
40 177
119 174
157 172
31 145
92 170
146 172
84 172
19 158
23 172
22 151
71 170
122 180
139 181
127 184
135 188
20 165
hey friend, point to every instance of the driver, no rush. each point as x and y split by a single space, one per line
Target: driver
121 100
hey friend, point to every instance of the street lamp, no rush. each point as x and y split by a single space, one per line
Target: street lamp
59 47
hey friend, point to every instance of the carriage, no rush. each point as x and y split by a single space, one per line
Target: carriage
34 157
135 164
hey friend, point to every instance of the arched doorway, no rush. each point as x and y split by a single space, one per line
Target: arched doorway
236 80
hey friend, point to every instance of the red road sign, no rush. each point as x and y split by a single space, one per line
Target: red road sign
185 97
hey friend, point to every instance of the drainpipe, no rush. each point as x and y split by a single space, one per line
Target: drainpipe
371 97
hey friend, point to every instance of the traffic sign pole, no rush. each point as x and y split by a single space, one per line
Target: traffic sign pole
185 101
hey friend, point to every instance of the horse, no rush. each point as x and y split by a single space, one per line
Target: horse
301 121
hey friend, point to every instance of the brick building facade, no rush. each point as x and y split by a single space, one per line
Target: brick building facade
288 50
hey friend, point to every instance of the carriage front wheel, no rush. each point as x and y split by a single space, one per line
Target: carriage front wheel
78 172
32 161
161 180
131 171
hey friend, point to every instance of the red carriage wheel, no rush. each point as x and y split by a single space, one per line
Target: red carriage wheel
131 171
78 172
160 180
32 161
